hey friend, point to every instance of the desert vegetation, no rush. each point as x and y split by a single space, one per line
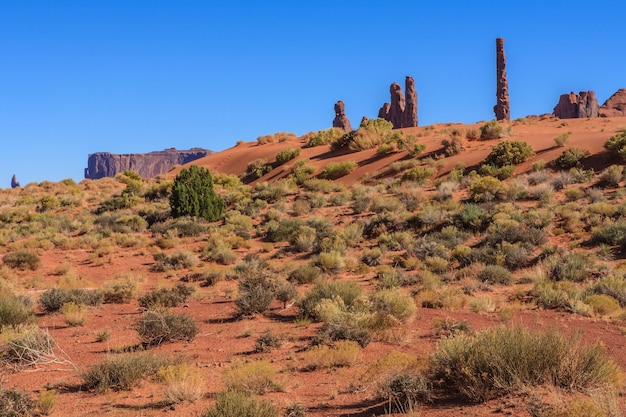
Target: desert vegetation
413 271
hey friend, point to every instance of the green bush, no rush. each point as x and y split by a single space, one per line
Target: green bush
325 137
15 310
21 260
571 158
453 145
562 139
305 274
572 266
122 372
486 189
617 145
53 299
193 195
495 274
238 404
287 154
158 327
336 170
610 233
178 260
493 130
501 360
348 291
256 293
419 174
500 173
14 403
164 297
509 153
405 391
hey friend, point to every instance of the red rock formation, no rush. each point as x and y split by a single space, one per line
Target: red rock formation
383 113
502 107
396 109
574 106
148 165
14 182
410 106
615 106
341 120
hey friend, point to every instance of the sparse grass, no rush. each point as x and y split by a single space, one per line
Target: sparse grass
343 353
73 314
258 377
158 327
239 404
183 382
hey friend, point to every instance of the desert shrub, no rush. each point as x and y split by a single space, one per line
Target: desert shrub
493 130
612 285
48 203
348 291
183 382
343 353
602 304
486 189
305 274
181 227
323 186
332 261
611 176
416 149
501 360
495 274
402 165
21 260
295 410
258 168
266 342
302 171
616 144
193 195
384 148
122 372
509 153
405 391
178 260
119 291
256 377
15 310
419 174
325 137
28 345
347 328
14 403
500 173
121 223
164 297
453 145
53 299
287 154
352 234
572 266
571 158
158 327
73 314
239 404
304 239
392 308
472 217
334 170
562 139
256 293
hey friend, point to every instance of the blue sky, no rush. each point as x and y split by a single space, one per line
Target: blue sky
130 76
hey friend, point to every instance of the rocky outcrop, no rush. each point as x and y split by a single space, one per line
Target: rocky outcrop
396 109
148 165
502 109
14 182
615 106
401 112
410 103
341 120
383 112
574 106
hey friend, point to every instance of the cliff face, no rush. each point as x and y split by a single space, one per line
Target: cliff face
148 165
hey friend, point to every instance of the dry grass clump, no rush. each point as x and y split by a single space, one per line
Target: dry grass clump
239 404
167 297
28 345
258 377
53 299
73 314
343 353
157 327
184 382
502 360
122 372
14 309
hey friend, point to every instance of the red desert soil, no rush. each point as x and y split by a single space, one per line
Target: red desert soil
223 341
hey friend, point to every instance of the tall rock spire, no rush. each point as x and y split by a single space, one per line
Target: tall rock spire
502 107
341 120
410 106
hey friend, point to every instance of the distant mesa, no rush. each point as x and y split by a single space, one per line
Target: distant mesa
574 106
14 182
341 120
148 165
502 109
401 112
615 106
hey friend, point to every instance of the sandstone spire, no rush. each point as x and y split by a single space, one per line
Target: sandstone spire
502 107
341 120
410 107
396 109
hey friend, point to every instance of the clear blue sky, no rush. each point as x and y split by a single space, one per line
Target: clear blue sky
130 76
